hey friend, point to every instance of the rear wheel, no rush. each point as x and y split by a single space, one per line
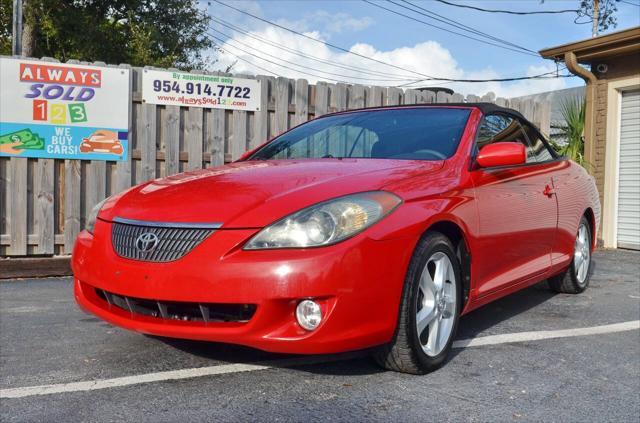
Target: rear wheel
575 279
431 303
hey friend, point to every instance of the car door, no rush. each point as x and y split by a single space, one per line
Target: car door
517 212
567 184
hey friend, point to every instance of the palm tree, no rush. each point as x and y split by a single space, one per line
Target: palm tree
571 130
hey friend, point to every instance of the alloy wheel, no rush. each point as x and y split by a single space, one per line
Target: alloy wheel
582 254
436 302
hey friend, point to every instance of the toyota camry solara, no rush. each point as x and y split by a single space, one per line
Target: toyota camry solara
368 229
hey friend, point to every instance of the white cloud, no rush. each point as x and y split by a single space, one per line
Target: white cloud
340 22
426 58
330 23
531 86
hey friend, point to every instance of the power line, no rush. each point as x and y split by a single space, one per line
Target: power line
510 12
226 43
238 57
519 78
324 42
412 81
629 2
460 25
302 54
245 60
221 46
352 68
426 77
300 65
449 31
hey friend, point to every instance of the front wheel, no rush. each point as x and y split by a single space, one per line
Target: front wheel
575 279
429 312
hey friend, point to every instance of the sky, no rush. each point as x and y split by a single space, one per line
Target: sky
415 49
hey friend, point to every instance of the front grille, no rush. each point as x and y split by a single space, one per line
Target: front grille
161 242
185 311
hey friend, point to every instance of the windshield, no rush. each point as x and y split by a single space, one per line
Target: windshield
404 133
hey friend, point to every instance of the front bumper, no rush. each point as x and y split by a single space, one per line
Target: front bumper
357 282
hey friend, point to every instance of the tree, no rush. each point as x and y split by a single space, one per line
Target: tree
5 26
573 114
601 13
168 33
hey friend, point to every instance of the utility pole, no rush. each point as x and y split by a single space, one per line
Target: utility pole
16 43
596 17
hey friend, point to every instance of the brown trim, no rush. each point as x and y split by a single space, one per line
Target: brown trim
589 120
40 267
572 64
586 51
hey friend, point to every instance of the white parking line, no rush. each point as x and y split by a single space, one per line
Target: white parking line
128 380
238 368
546 334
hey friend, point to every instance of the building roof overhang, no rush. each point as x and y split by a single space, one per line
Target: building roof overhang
598 48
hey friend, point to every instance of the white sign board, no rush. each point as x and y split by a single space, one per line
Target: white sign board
197 90
56 110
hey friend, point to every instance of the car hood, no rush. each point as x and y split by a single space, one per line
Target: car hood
254 194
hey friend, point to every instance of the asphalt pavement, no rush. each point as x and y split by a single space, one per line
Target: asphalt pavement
534 356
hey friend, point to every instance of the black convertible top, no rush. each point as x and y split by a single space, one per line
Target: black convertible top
485 108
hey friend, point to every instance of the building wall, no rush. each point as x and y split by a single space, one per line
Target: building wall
618 68
597 167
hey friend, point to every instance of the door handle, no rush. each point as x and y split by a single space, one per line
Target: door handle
548 191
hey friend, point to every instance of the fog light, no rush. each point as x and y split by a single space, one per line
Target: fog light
308 314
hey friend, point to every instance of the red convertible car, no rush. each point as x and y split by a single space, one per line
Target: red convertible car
368 228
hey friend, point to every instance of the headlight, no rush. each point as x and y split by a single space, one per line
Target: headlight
326 223
91 219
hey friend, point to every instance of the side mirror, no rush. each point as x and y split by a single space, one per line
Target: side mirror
502 154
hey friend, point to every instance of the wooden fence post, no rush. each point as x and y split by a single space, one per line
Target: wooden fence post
123 168
394 96
43 189
17 197
44 210
171 131
72 186
301 101
261 118
375 96
282 104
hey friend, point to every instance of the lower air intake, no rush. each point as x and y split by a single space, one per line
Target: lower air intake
176 310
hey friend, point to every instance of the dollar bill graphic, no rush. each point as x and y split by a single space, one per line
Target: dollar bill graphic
29 140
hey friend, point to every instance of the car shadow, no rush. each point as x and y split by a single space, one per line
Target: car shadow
358 362
476 322
485 317
349 363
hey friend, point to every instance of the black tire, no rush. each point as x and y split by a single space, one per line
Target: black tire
405 353
568 282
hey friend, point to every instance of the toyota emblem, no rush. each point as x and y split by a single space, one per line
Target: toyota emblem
146 242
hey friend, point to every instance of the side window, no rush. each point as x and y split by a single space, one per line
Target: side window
502 128
539 151
491 126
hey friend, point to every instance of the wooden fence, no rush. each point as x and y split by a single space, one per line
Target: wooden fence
44 202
